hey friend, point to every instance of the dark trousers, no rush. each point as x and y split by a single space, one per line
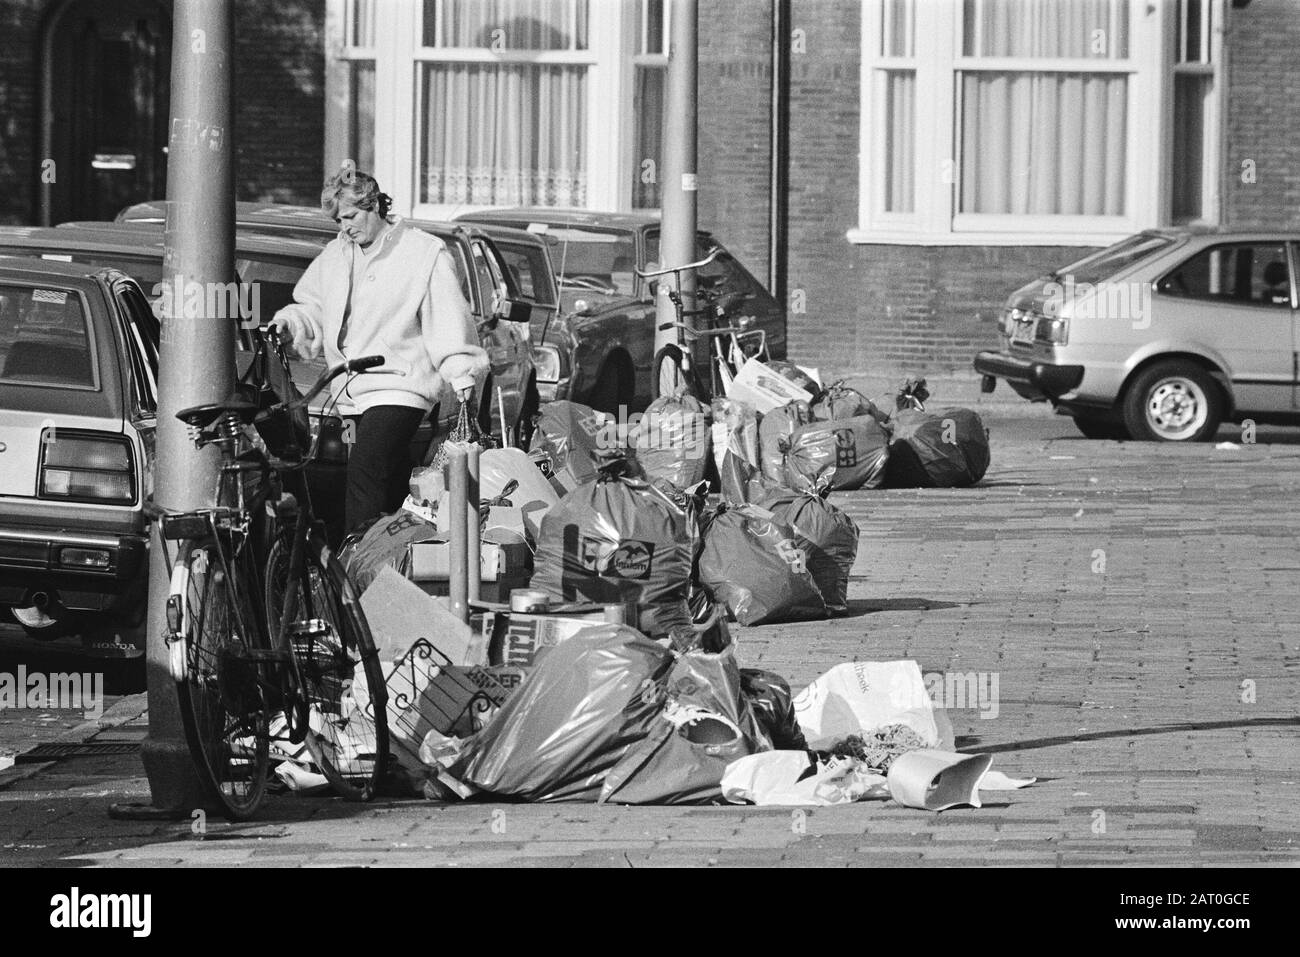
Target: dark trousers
379 462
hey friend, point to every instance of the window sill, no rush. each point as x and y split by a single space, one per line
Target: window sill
885 237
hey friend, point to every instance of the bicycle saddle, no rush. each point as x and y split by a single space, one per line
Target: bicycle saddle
202 416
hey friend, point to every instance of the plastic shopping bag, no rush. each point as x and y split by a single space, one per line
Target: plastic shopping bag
847 454
671 440
587 702
832 541
944 449
619 540
857 697
706 724
769 696
575 439
757 566
383 543
774 432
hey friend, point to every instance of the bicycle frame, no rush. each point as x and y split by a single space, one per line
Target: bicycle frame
235 525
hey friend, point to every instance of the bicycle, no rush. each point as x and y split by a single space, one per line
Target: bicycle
673 371
265 632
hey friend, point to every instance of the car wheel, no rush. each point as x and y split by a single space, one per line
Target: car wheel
1174 401
1097 427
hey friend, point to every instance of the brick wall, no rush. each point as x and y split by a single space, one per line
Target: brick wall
883 308
1263 114
734 139
19 103
279 102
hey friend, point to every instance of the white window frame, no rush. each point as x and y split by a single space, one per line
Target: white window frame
339 53
399 57
637 35
936 220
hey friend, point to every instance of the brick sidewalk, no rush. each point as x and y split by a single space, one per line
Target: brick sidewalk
1128 597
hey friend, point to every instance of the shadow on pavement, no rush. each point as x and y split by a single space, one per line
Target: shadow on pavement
869 606
968 742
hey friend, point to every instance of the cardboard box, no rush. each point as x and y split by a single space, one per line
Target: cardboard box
765 390
502 567
399 614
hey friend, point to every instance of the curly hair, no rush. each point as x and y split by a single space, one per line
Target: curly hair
350 185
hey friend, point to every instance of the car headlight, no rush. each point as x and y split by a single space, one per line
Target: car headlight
1053 330
546 359
1009 319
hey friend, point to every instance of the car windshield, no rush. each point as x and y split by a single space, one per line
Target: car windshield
594 259
1104 263
44 338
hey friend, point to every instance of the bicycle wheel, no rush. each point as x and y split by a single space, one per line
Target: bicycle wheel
221 704
672 374
340 684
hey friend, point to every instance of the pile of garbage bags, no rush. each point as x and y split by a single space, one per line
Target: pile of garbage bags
612 717
616 679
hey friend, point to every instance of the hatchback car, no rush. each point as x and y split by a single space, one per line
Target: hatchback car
78 401
1162 336
600 350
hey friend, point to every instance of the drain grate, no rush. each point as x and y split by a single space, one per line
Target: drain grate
86 749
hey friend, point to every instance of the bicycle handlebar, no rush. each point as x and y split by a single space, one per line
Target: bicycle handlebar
650 274
328 376
364 363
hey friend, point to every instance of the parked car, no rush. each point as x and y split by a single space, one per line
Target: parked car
600 349
501 298
1162 336
78 401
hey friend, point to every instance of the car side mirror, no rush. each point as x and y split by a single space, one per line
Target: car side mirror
519 311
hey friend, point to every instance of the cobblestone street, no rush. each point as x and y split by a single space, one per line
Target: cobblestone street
1138 606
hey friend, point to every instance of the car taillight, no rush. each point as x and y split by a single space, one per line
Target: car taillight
87 467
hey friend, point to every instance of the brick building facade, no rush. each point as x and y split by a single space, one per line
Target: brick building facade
278 90
930 307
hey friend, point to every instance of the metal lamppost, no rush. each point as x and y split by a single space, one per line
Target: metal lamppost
679 184
196 361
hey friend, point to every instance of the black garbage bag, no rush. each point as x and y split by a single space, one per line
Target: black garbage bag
706 723
841 401
622 540
832 541
773 703
588 701
573 440
943 449
774 432
757 565
846 454
671 440
383 542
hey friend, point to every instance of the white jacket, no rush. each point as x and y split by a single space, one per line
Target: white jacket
407 306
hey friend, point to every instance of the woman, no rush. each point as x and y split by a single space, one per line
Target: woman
382 288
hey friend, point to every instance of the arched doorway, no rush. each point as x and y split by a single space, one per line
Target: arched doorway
107 68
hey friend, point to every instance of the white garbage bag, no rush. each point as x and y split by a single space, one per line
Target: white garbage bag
857 697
